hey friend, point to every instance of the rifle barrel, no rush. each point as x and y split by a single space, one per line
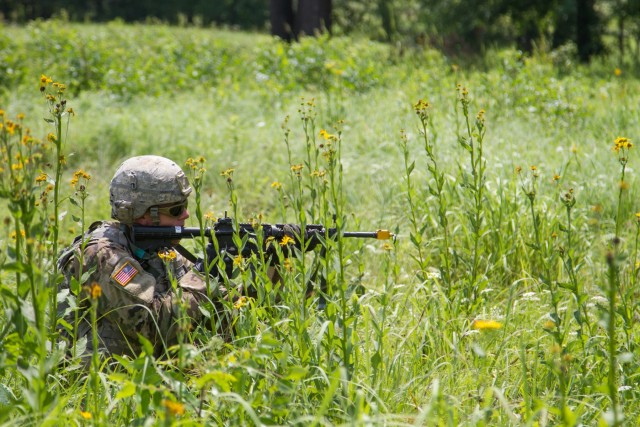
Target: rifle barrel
178 232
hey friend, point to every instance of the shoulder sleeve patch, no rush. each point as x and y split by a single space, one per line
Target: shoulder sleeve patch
124 274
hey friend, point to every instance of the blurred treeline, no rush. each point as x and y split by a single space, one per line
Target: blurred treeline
584 27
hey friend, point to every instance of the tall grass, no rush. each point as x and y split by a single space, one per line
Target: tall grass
506 299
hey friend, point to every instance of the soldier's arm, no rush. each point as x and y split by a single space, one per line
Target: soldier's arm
130 300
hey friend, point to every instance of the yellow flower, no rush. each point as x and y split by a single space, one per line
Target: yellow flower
277 185
617 72
173 408
534 168
41 178
86 415
483 325
228 172
287 240
51 137
168 255
237 261
518 169
96 290
79 174
45 80
556 177
549 324
240 302
622 143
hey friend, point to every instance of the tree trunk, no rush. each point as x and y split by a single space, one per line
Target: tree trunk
314 16
282 24
587 37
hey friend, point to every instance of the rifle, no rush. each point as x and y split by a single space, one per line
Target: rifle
221 237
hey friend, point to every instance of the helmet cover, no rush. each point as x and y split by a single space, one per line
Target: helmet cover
145 181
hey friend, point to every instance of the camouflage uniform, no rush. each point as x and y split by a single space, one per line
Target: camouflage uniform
137 296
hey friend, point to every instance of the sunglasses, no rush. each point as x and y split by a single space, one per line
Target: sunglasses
174 210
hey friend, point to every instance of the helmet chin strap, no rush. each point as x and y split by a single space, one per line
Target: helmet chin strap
155 216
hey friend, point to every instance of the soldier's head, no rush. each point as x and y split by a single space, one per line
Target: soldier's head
149 189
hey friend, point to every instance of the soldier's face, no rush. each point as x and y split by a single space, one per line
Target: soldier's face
165 220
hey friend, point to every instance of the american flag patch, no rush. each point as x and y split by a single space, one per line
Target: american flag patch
125 274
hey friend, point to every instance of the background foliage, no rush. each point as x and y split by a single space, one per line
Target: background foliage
461 27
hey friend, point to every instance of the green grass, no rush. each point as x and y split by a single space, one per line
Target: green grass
397 344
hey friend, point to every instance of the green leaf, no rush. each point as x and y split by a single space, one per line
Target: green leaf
222 379
128 390
296 373
146 345
410 168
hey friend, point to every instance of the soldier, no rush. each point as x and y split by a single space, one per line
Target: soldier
134 280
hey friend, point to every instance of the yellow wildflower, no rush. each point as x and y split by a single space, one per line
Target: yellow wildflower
287 240
79 174
173 408
1 113
483 325
13 234
168 255
237 261
96 290
240 302
276 185
534 168
86 415
41 178
20 116
622 143
617 72
51 137
227 172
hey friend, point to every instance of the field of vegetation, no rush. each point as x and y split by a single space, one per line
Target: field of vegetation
509 296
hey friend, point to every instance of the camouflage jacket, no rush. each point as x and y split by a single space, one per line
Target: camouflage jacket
140 292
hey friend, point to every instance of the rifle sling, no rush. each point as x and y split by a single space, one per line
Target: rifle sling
185 253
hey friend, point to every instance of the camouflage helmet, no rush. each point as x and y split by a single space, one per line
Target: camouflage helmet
145 181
